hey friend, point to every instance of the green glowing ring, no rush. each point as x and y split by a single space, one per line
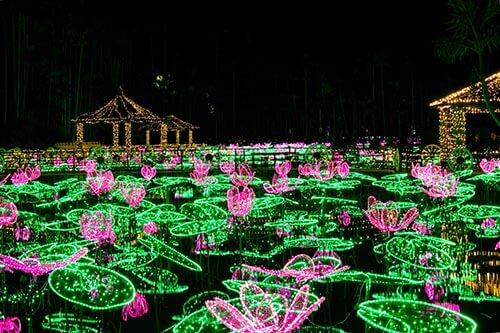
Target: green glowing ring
75 282
461 159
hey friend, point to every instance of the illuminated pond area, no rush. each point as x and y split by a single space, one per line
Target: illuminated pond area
216 248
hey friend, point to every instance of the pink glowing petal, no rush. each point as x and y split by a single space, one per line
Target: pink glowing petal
343 169
497 246
148 172
487 166
258 306
8 213
10 325
283 169
230 316
227 167
298 310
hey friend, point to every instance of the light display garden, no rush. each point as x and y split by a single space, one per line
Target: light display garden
205 241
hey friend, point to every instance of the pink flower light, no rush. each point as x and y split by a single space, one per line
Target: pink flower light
344 218
22 234
133 194
88 166
137 308
343 169
280 184
10 325
243 177
8 213
283 169
150 228
438 183
203 242
306 170
261 313
488 166
227 167
302 268
102 183
385 216
21 177
497 246
97 227
488 223
422 228
240 203
148 172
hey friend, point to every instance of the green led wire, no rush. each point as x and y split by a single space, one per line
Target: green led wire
69 322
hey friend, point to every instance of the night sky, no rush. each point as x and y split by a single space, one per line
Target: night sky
238 71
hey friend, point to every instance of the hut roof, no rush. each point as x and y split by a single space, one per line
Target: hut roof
120 109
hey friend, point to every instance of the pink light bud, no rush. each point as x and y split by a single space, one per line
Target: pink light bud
10 325
227 167
240 203
243 177
22 234
150 228
488 166
148 172
344 218
137 308
283 169
8 213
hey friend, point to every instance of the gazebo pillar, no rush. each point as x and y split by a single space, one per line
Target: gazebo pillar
116 134
178 137
128 134
190 137
163 135
79 135
148 137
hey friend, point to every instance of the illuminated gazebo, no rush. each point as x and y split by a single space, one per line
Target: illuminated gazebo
172 123
120 111
454 107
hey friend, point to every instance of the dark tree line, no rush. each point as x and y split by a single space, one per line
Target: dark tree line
61 60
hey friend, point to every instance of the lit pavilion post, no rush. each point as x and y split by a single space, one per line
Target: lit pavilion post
178 137
148 137
190 137
116 134
79 135
163 135
128 134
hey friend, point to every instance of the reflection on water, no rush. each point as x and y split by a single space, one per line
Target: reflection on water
487 264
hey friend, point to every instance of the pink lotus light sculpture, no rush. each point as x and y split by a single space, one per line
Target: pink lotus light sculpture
488 223
72 161
150 228
433 292
203 242
21 177
148 172
240 203
438 183
422 228
385 216
200 173
34 267
22 234
282 232
279 184
101 183
10 325
8 213
261 312
227 167
133 194
343 169
489 166
283 169
56 162
302 268
327 173
137 308
344 218
306 170
497 246
97 228
243 177
88 166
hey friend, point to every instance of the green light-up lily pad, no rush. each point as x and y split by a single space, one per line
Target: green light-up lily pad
91 286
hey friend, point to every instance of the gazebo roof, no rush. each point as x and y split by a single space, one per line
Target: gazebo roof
119 109
175 124
471 97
